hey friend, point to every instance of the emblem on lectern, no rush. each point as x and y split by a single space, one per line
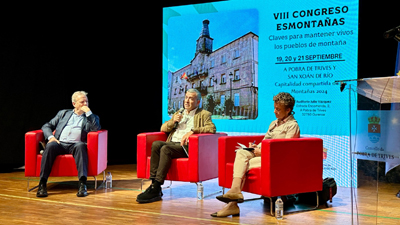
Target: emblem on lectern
374 129
324 153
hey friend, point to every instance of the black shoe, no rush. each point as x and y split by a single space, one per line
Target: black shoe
82 192
42 190
398 194
152 194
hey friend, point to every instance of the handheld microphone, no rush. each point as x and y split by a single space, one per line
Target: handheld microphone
180 113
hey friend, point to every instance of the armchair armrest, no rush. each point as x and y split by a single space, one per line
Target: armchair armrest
203 156
144 142
291 166
226 152
97 151
32 139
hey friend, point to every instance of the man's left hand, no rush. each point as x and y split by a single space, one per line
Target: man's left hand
185 138
85 109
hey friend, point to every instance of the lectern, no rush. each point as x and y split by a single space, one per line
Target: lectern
374 138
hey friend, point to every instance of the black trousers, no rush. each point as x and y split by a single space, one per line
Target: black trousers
53 149
162 154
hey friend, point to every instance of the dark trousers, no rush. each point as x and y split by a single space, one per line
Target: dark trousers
53 149
162 154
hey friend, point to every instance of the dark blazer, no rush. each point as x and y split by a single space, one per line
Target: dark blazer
91 123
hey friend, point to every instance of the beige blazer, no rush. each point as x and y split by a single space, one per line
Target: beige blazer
202 124
290 129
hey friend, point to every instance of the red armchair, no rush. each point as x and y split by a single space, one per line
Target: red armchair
288 166
64 165
201 165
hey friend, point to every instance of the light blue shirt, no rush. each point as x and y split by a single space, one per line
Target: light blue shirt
72 131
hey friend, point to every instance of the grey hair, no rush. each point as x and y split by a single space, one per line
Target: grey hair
78 93
285 99
192 90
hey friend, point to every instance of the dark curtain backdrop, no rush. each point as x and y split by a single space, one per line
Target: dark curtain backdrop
114 53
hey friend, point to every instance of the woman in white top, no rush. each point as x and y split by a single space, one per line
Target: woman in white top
285 126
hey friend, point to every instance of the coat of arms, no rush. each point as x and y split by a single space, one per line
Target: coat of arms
374 129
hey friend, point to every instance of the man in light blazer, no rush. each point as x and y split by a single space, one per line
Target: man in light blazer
183 123
70 137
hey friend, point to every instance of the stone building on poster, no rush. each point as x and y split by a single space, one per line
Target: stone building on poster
229 71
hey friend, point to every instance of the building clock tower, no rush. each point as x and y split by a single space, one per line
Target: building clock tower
204 42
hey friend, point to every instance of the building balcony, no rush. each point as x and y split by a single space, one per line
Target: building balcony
203 90
198 75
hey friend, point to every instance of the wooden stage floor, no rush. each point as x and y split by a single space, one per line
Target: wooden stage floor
179 204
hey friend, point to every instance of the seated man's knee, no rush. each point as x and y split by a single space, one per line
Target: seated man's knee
51 145
80 146
165 150
157 145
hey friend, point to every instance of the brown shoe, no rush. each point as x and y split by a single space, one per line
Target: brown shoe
231 197
229 210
